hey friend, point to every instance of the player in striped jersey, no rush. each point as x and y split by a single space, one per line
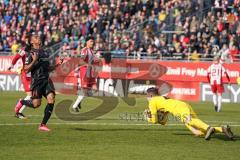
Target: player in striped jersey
215 75
87 79
25 77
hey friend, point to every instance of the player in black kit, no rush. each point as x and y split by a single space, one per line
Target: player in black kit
37 62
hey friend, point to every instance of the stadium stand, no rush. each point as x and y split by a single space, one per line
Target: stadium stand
167 29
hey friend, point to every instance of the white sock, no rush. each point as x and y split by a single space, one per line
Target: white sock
78 101
23 107
215 99
219 103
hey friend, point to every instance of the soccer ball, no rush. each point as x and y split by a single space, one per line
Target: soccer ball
162 117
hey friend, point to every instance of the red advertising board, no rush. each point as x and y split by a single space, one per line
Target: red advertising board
130 69
185 77
195 71
185 91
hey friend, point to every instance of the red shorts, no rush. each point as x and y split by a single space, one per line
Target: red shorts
26 81
217 88
86 82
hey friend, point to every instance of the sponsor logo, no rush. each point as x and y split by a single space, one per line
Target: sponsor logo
231 94
10 83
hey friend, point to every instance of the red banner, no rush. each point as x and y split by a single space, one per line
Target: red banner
195 71
147 69
185 91
185 77
5 62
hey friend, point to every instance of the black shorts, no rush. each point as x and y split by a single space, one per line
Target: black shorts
42 88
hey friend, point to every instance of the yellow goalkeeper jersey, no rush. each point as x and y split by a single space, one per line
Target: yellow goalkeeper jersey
167 105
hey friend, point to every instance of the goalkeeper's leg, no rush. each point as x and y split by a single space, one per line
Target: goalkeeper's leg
203 128
198 127
195 131
198 124
195 122
190 118
195 125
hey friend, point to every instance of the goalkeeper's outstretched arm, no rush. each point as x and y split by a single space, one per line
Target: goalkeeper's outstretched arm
152 118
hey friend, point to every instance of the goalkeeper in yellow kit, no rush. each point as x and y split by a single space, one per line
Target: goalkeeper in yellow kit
160 107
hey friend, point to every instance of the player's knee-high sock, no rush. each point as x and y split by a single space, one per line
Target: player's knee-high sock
219 102
24 106
78 101
27 103
218 129
197 123
47 113
215 99
195 131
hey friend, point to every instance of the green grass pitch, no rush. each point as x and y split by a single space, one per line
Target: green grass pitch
119 134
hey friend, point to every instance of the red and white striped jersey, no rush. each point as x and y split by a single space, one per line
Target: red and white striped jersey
87 55
215 73
21 55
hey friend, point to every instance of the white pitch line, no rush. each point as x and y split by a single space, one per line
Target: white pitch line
223 122
27 115
75 123
101 124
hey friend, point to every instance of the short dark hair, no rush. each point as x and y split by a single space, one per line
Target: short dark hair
107 57
89 38
153 90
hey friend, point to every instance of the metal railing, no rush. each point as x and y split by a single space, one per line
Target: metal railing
58 52
53 50
142 56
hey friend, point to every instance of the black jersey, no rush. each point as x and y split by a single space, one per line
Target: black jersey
40 70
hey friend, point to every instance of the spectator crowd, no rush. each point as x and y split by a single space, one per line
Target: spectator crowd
180 29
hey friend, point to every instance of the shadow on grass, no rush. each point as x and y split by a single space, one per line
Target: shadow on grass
217 136
224 138
126 129
183 134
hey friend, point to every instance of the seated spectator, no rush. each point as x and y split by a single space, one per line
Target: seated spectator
225 55
118 51
6 46
1 47
123 23
15 46
234 53
65 49
195 56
